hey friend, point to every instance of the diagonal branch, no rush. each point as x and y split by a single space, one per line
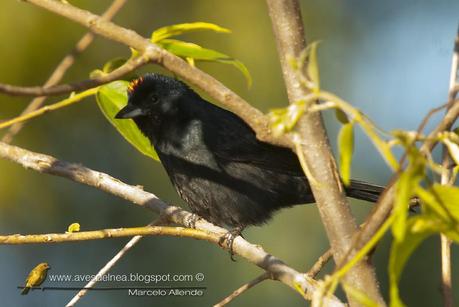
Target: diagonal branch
78 173
110 264
383 208
447 291
62 68
316 268
243 288
215 89
328 192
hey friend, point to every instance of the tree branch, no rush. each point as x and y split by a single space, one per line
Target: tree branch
445 178
243 288
328 193
117 74
56 106
62 68
50 238
214 88
320 263
75 172
316 268
110 264
384 205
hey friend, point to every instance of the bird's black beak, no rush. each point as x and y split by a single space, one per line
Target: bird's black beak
129 111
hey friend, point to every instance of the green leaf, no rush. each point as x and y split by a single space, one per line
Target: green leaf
174 30
346 148
341 116
449 198
312 68
283 120
401 251
441 204
111 98
360 296
113 64
196 52
406 185
74 227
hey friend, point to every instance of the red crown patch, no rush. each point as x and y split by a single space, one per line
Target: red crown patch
134 84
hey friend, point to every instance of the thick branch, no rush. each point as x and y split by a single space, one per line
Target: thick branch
75 172
107 29
328 192
62 68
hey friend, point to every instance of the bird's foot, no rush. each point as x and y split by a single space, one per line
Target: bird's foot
191 220
229 237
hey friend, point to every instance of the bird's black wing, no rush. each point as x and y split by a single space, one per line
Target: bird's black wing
232 140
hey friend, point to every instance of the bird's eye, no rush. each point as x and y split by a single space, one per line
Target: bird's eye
153 98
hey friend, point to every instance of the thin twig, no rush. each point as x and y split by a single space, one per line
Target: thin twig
134 194
53 107
52 238
110 264
320 263
313 272
118 73
215 89
62 68
445 178
243 288
383 207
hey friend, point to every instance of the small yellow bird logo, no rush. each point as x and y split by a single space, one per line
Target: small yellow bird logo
36 277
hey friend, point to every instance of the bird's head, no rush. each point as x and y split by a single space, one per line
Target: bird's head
43 266
154 97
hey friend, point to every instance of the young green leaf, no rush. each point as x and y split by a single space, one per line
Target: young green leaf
313 66
401 251
283 120
360 296
174 30
196 52
406 185
346 148
111 98
74 227
341 116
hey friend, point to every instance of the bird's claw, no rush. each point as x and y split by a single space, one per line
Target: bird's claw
191 220
229 237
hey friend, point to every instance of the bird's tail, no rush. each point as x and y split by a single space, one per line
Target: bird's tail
25 291
364 190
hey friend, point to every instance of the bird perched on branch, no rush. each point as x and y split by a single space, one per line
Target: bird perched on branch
36 277
213 158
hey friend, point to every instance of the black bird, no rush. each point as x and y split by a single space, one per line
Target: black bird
213 158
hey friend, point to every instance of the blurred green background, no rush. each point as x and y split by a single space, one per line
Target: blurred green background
390 58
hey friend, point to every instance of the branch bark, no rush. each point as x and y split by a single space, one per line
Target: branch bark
110 264
447 287
215 89
50 238
62 68
78 173
328 193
